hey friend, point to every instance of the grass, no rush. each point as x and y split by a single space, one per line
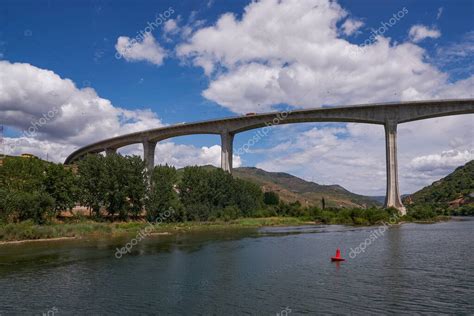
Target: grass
83 227
86 228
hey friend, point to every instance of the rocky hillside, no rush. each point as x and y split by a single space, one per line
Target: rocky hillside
453 191
291 189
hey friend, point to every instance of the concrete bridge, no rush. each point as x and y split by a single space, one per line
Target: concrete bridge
388 115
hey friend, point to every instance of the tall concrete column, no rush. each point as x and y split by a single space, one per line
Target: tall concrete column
149 155
392 199
227 140
110 151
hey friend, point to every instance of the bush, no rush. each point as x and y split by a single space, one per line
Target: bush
37 206
464 210
421 213
271 198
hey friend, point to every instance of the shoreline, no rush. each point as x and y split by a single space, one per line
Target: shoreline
22 233
23 241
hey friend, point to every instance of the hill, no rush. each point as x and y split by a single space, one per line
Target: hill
292 189
451 192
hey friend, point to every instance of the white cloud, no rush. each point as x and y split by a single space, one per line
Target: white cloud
353 155
350 26
180 156
272 55
147 49
45 149
457 56
186 155
171 26
419 32
440 12
28 93
75 116
447 160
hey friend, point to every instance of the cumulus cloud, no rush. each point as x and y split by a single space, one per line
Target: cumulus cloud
186 155
447 160
28 95
272 55
180 156
171 26
350 155
350 26
45 149
44 105
353 155
147 49
419 32
268 56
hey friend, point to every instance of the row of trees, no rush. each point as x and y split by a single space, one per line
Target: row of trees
33 189
115 186
119 187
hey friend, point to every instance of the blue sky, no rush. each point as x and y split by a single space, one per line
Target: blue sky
78 40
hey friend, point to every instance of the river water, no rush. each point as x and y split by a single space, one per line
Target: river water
412 268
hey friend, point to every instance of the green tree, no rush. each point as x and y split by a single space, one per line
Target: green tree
114 182
271 198
91 175
23 194
115 185
137 184
194 193
22 174
162 196
4 211
208 194
37 206
248 197
60 184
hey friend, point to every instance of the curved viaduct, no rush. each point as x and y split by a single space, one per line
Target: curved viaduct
389 115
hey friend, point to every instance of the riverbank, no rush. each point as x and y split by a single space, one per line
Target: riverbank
28 231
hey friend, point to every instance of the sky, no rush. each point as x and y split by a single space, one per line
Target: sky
76 72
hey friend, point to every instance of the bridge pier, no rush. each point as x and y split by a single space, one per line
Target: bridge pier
392 198
227 140
149 155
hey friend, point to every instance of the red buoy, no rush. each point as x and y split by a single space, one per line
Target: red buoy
338 256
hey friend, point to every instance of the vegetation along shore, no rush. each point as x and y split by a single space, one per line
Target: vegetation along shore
121 198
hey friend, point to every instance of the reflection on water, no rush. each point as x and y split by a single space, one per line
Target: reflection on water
411 268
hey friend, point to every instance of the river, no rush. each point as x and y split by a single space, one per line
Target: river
411 268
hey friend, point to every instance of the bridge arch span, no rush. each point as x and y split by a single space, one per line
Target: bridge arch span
388 115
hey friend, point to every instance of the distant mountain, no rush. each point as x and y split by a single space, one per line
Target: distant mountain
291 189
379 198
452 191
